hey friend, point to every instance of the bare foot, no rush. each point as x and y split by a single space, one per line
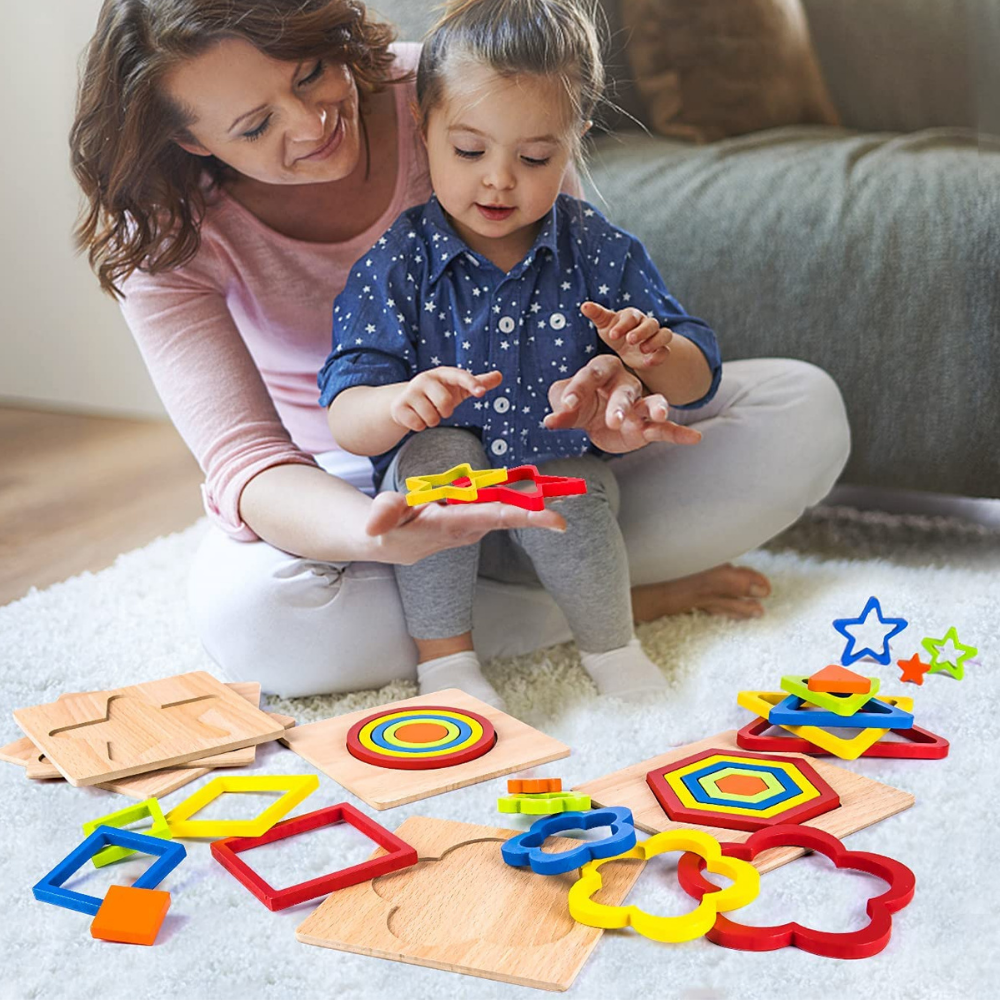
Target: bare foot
724 590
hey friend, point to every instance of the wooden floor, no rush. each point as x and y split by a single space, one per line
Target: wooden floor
76 491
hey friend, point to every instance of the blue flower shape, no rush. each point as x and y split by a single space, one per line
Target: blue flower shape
526 848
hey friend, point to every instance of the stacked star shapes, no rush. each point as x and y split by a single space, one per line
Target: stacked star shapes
523 486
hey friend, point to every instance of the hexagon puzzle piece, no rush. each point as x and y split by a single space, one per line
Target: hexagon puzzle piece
130 916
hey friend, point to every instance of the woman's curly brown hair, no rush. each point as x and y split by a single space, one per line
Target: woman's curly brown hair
145 195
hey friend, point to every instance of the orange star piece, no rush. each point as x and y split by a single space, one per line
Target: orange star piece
913 669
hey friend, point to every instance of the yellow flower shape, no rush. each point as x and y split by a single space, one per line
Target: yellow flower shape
688 926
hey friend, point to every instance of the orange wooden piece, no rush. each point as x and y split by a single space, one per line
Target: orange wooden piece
130 916
740 784
533 786
839 680
420 732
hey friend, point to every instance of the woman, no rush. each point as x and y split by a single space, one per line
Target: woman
237 159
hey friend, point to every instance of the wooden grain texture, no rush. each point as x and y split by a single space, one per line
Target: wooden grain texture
463 909
324 745
101 736
863 801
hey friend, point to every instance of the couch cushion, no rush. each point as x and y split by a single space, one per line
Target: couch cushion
869 255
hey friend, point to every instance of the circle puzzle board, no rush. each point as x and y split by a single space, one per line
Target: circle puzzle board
420 738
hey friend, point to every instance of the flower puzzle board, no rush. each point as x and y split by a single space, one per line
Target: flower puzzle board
325 745
514 926
863 801
100 736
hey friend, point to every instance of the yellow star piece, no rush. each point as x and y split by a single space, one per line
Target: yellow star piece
688 926
424 489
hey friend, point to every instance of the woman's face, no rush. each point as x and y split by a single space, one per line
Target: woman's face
277 122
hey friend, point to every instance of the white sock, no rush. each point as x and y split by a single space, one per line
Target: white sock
459 670
625 672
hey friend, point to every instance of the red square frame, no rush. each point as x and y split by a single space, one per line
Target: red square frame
400 855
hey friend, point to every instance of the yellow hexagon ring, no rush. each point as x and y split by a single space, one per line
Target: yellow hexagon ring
688 926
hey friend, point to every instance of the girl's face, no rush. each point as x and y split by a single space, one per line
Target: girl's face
498 149
277 122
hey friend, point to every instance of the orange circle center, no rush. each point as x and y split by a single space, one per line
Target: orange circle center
741 784
421 732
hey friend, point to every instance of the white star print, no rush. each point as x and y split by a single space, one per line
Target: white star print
603 290
429 307
370 328
535 307
627 297
588 212
558 342
466 345
504 345
476 292
435 360
566 286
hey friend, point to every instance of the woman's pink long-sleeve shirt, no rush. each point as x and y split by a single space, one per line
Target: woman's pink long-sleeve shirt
233 339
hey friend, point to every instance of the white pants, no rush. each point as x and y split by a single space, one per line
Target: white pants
775 438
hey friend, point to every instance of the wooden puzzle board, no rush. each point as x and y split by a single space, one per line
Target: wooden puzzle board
100 736
464 909
863 801
324 745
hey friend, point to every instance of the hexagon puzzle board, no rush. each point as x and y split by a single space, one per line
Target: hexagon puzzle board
101 735
862 800
324 745
513 926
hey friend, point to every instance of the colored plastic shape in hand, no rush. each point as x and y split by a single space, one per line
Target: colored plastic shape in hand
421 738
835 679
533 786
852 653
762 702
50 889
684 790
130 814
863 943
838 704
424 489
913 669
295 786
400 855
130 916
954 659
525 850
686 927
543 803
920 744
876 714
544 488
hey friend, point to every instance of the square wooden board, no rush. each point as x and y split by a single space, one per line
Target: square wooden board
324 745
462 908
100 736
863 801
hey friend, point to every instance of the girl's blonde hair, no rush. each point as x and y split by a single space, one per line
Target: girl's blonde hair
551 38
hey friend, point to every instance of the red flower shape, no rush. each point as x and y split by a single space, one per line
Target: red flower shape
863 943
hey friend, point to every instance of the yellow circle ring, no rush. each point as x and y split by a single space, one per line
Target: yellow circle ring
389 735
413 715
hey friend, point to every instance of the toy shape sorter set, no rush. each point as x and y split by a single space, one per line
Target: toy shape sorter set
737 804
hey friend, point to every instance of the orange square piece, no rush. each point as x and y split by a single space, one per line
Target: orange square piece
130 915
533 786
839 680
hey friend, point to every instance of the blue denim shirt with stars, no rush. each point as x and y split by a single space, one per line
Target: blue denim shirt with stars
420 298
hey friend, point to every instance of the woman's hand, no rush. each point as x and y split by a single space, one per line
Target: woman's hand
605 399
433 395
405 535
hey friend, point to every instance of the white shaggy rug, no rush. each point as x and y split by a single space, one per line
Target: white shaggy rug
129 623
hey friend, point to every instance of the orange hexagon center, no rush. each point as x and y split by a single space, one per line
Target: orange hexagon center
421 732
741 784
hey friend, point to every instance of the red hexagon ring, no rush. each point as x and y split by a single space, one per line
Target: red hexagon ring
863 943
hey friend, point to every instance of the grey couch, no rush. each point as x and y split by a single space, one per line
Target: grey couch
872 250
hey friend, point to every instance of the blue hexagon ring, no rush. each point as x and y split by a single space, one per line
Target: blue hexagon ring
525 850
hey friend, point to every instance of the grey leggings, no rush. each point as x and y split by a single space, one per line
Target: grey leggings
585 569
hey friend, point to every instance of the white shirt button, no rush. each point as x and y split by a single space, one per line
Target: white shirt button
557 321
499 447
506 324
501 404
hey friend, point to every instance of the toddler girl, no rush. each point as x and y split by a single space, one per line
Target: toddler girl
463 322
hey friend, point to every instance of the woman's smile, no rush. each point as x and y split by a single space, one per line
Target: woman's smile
330 144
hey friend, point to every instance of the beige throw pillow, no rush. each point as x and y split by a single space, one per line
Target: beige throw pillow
707 69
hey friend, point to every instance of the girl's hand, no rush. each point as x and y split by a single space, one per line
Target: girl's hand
605 400
638 339
432 395
405 535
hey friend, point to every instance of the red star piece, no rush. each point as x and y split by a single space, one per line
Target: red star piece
545 487
913 669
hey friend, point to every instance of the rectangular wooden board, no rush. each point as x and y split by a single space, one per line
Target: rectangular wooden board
463 909
863 801
324 745
100 736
